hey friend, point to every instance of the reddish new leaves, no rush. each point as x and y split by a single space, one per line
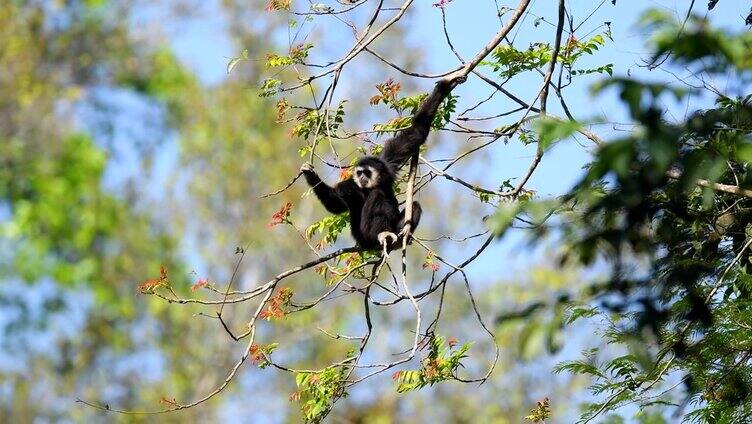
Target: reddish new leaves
151 283
260 353
281 216
282 107
430 263
345 173
201 282
167 401
277 305
387 92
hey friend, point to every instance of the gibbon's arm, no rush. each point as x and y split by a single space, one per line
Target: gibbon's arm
401 147
328 196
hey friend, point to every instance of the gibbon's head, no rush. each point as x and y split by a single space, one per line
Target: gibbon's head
371 172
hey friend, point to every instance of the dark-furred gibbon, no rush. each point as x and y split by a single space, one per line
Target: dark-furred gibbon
375 218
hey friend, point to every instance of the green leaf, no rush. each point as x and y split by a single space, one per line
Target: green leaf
551 130
499 222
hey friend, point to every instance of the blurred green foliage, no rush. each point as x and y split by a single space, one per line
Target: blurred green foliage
678 295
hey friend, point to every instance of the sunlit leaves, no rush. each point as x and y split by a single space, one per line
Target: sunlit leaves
393 125
274 60
278 305
573 49
441 364
317 391
300 52
321 8
260 353
233 62
430 263
508 61
270 87
387 92
605 69
278 5
541 412
282 107
297 55
331 226
407 106
319 122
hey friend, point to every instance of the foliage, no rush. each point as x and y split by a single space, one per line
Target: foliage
541 412
282 216
331 226
407 106
317 391
278 305
679 251
508 61
319 123
296 56
441 364
260 354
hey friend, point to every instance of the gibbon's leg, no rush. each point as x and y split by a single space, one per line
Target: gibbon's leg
328 196
386 239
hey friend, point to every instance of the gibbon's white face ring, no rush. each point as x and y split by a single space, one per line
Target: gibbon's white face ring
366 177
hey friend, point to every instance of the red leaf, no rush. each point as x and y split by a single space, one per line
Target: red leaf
281 215
162 273
345 173
148 285
172 401
202 282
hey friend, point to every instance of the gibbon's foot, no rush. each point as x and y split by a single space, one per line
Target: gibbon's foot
306 167
404 233
386 235
385 238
